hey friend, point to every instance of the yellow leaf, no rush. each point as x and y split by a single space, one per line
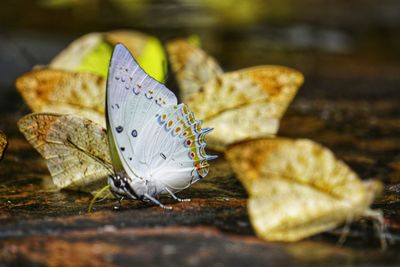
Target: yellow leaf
297 188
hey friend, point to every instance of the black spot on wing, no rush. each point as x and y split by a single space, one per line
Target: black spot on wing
119 129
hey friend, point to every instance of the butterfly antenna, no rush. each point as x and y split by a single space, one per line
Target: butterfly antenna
98 194
345 230
380 226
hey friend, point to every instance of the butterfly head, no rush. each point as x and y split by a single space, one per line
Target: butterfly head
123 185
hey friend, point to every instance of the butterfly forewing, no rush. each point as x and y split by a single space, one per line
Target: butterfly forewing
133 98
298 188
192 66
75 149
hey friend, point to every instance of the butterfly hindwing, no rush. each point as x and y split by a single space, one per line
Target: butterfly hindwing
240 105
75 149
192 66
245 104
64 92
176 155
272 85
298 188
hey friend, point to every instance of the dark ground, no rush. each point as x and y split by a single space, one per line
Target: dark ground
349 53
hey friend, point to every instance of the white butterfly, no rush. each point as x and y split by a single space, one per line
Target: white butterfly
156 145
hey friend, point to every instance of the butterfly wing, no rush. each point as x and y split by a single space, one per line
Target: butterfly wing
245 104
192 66
149 129
176 157
64 92
247 122
3 144
297 188
133 98
75 149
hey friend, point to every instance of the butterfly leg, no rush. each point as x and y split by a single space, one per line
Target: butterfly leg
175 197
120 198
155 201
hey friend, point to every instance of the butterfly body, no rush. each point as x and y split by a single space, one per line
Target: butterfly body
135 188
157 146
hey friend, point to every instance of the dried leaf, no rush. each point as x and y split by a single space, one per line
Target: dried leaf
298 188
240 105
75 149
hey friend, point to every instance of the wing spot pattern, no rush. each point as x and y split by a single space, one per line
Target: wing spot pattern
119 129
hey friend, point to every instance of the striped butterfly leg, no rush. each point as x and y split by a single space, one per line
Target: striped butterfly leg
120 198
155 201
175 197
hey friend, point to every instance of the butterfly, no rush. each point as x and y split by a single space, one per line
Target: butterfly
298 188
75 149
3 144
240 105
156 145
92 52
75 80
64 92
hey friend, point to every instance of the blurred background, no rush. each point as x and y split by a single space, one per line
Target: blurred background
344 48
